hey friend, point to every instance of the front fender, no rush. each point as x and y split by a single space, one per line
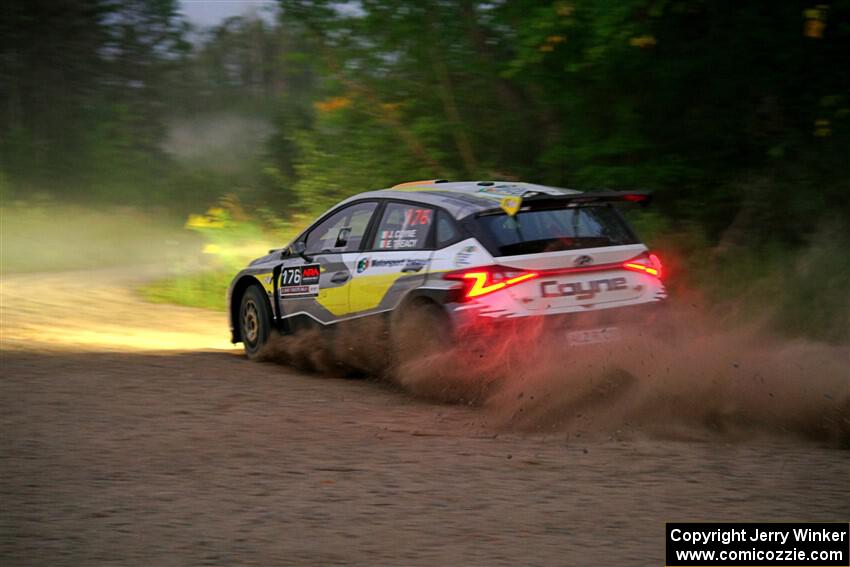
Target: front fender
263 277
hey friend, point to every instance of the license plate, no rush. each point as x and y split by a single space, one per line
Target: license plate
593 336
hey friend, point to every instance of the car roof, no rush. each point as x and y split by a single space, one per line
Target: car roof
461 198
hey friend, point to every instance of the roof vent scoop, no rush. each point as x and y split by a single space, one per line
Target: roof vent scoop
486 183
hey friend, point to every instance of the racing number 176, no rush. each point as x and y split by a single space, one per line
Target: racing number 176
290 276
417 216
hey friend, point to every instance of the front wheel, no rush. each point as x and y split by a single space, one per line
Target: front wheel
254 321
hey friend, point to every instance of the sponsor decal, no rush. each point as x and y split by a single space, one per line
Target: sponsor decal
362 265
504 190
464 257
387 263
414 265
310 274
299 290
408 263
300 281
511 205
581 290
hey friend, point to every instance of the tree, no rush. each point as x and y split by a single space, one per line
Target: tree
81 90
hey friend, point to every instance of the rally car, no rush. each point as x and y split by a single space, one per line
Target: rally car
471 254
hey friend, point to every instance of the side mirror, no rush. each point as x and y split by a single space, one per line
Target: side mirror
342 238
300 248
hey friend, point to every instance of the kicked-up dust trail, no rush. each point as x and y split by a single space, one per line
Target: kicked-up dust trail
696 378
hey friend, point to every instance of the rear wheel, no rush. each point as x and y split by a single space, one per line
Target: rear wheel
419 329
254 320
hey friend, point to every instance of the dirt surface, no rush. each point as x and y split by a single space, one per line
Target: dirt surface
132 434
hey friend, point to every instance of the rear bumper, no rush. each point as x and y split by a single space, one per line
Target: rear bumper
640 314
641 317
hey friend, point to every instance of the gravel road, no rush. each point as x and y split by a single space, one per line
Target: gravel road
133 434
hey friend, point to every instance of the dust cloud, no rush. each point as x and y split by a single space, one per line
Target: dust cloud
689 375
358 349
222 141
49 236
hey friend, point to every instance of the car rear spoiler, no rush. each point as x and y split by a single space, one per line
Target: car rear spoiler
543 200
604 196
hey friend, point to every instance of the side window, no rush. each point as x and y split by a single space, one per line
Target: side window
341 232
447 231
403 227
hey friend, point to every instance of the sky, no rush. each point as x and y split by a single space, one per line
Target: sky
205 13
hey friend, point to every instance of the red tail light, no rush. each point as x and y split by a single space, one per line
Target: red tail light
646 263
481 281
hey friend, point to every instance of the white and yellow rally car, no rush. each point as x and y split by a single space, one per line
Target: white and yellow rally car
469 253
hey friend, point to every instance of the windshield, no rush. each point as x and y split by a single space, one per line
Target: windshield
550 230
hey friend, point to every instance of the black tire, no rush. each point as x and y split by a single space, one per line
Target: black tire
255 320
419 329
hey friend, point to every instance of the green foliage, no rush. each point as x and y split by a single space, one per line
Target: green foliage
5 191
365 156
231 237
45 235
801 292
82 94
814 301
205 289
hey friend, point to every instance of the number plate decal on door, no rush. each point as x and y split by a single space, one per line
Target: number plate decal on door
300 281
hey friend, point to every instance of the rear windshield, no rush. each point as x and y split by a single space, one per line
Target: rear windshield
549 230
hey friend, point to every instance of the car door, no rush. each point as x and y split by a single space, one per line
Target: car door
396 258
319 287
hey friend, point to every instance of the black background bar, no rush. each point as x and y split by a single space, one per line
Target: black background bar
741 534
